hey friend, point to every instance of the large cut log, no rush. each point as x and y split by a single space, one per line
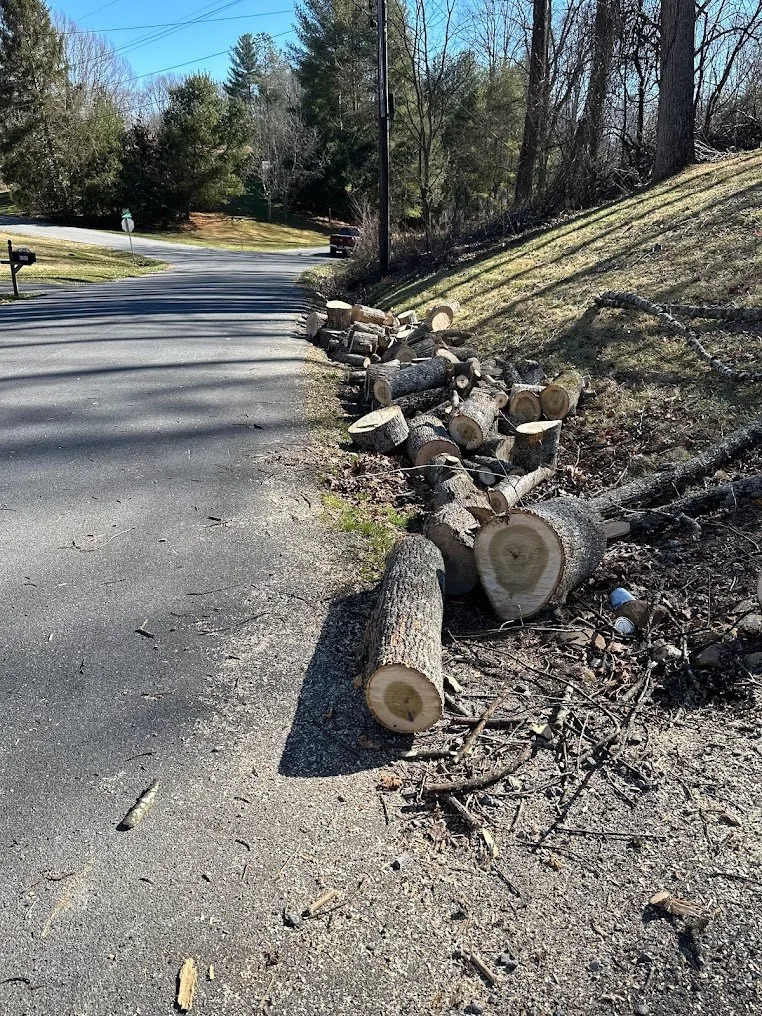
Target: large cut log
425 347
509 492
339 314
422 402
534 557
559 399
362 342
728 496
408 317
428 437
524 405
399 351
531 372
472 422
381 431
314 322
439 317
369 315
648 489
417 378
452 530
460 489
536 444
404 684
376 371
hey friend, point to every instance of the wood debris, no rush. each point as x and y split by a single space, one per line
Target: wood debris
187 981
141 807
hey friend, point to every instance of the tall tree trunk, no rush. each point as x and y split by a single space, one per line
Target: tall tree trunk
536 105
674 132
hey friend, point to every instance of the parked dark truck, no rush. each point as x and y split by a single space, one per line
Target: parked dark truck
343 241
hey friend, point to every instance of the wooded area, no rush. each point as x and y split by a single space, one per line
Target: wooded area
500 107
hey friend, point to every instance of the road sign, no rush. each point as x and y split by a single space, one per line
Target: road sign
128 223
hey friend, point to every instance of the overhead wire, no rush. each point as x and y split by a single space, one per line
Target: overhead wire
171 24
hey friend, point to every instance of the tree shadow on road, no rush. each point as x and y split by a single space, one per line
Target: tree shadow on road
333 733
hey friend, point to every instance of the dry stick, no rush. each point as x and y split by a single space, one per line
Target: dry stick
470 741
685 508
476 961
615 834
749 314
471 820
480 782
631 301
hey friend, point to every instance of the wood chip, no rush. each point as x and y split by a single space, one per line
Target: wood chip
141 807
186 984
323 900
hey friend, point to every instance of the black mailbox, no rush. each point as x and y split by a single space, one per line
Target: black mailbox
23 256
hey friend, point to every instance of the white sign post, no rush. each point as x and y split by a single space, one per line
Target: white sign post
128 225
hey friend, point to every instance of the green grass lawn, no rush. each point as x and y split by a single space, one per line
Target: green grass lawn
238 232
64 261
694 239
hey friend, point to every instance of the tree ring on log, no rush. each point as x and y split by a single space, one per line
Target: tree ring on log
520 560
402 699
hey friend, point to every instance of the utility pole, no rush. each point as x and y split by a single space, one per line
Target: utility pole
383 141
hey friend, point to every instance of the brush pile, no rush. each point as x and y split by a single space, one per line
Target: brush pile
483 433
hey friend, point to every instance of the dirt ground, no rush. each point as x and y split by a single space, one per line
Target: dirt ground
636 771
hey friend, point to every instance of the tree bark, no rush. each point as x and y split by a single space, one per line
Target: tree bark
472 422
533 557
536 108
428 437
452 529
509 492
461 489
314 322
381 431
404 687
417 378
339 314
369 315
524 405
536 444
675 123
422 402
559 399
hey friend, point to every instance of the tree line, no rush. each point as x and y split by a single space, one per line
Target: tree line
498 106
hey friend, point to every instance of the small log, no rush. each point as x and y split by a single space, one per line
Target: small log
509 492
408 317
371 315
454 337
424 348
339 314
376 371
452 529
534 557
447 355
315 321
498 446
327 335
473 420
439 317
356 360
428 438
358 342
524 405
559 399
511 375
461 489
356 377
422 402
417 378
441 468
380 431
404 687
486 470
399 351
536 444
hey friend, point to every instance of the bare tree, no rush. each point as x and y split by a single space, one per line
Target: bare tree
675 127
537 101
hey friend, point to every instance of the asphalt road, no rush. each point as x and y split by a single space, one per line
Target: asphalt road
166 591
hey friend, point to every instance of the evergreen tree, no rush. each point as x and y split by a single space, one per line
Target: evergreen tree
250 61
201 146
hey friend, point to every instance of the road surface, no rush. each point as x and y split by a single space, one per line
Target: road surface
169 613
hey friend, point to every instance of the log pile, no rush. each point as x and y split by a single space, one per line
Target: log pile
482 435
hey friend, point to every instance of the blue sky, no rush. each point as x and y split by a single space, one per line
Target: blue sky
192 40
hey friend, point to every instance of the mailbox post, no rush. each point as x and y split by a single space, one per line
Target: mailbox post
17 259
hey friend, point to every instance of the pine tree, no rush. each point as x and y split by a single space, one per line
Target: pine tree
251 61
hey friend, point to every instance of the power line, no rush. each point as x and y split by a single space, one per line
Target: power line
99 9
207 10
171 24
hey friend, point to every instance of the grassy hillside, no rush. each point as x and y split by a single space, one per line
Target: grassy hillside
64 261
696 238
218 229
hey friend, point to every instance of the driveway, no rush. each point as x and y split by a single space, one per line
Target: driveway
169 613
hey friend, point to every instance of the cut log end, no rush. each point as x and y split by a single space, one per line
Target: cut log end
402 699
380 431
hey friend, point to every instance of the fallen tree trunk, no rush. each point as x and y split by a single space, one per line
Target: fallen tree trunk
748 315
404 687
559 399
665 484
428 437
631 301
339 314
452 529
536 444
686 508
422 402
460 489
509 492
381 431
473 420
356 360
533 557
524 405
417 378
